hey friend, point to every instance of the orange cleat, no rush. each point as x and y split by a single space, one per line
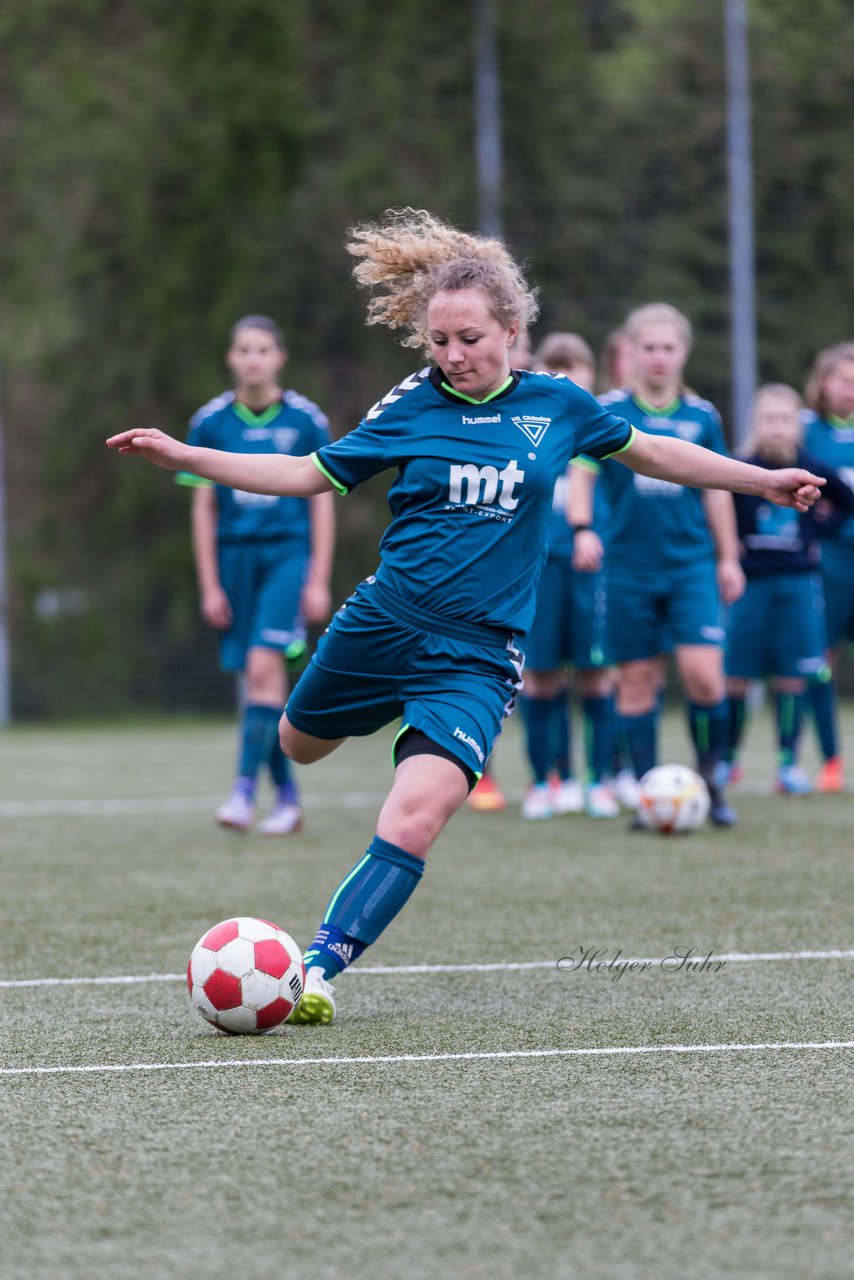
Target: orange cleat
487 796
831 777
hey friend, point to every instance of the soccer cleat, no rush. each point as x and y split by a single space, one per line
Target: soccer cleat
487 796
721 812
600 802
317 1006
736 772
792 781
567 796
237 812
538 802
625 788
831 777
285 820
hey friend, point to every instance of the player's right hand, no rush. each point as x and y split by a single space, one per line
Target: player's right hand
152 445
216 608
587 551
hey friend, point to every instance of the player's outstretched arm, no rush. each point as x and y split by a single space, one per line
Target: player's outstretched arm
273 473
691 464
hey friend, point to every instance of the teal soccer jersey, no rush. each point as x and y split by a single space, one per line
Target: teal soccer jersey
832 442
473 491
294 425
656 525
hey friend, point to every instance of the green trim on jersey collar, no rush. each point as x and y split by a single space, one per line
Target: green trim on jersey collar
657 411
253 419
841 424
471 400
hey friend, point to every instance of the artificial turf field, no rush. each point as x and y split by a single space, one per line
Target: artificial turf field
337 1154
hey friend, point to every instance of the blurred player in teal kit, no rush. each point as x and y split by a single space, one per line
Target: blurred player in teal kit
433 638
777 627
568 629
672 558
829 435
262 562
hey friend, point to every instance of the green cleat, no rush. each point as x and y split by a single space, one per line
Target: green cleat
317 1006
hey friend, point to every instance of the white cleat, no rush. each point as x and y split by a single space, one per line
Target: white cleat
600 802
568 796
317 1006
285 820
237 812
625 788
538 802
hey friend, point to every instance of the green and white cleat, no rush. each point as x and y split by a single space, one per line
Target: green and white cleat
317 1006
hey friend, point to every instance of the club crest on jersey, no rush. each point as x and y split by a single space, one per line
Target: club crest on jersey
532 426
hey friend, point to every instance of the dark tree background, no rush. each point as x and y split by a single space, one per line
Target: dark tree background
168 168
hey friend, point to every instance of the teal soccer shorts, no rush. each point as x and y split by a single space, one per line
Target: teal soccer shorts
651 615
569 623
263 582
777 628
837 571
382 659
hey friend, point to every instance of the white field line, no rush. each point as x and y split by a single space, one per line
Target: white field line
118 806
108 808
389 1059
732 957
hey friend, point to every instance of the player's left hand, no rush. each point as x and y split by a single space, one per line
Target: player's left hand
793 487
316 602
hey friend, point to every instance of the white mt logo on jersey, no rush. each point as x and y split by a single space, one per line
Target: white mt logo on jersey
532 426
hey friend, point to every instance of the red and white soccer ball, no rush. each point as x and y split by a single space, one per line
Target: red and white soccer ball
245 975
673 798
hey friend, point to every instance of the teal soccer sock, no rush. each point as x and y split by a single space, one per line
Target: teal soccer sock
363 905
821 693
547 735
788 709
259 733
598 735
641 736
737 722
709 733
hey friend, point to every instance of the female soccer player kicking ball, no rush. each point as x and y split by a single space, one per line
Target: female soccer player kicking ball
433 636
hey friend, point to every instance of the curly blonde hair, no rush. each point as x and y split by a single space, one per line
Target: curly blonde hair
825 364
409 255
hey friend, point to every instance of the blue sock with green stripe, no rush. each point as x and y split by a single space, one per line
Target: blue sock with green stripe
709 733
365 902
788 707
821 692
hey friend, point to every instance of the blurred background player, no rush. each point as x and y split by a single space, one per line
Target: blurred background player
777 627
672 557
262 563
568 628
829 435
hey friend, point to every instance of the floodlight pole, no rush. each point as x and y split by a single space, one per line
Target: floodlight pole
5 648
487 118
742 261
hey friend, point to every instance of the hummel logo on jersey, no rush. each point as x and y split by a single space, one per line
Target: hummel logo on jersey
470 742
484 485
532 426
473 422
